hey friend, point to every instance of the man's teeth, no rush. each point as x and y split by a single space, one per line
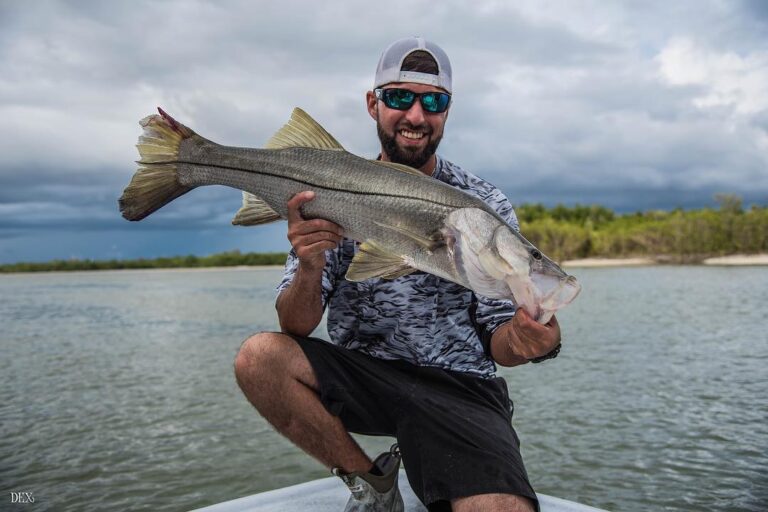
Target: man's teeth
411 135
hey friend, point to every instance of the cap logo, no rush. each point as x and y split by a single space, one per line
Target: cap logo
420 78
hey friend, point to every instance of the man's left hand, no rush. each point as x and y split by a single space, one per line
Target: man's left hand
523 338
531 339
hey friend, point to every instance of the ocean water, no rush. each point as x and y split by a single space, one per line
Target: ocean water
117 392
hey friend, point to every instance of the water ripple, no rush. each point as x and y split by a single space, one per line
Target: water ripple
118 392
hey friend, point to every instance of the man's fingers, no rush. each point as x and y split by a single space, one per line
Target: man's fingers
298 225
552 322
295 203
316 236
316 248
311 226
523 318
522 312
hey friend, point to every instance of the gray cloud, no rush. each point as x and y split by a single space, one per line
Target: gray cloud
560 103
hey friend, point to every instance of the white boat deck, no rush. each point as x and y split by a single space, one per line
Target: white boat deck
330 495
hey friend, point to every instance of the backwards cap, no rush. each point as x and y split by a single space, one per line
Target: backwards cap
391 62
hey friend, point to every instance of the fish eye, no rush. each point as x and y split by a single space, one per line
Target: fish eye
536 254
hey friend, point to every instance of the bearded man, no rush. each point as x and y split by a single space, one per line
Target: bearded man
413 358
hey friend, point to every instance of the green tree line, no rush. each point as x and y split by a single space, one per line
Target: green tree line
676 236
224 259
562 233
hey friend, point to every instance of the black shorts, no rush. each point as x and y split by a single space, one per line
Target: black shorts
454 430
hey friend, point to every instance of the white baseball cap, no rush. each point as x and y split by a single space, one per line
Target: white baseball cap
391 62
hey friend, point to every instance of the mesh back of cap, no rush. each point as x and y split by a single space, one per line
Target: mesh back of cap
391 60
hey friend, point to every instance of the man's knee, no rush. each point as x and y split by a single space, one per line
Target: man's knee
271 355
258 353
493 502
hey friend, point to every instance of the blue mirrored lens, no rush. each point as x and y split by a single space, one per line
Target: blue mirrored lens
402 99
434 101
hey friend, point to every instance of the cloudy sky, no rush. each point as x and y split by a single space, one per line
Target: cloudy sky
632 105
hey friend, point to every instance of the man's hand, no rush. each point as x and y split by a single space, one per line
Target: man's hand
523 338
533 339
310 238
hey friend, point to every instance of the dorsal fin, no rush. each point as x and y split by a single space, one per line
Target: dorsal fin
302 131
399 167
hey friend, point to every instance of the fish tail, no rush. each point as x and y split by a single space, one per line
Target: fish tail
156 181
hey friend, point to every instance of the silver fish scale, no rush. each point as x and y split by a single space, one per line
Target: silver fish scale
362 196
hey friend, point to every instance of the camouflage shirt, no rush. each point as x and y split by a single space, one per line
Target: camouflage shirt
420 318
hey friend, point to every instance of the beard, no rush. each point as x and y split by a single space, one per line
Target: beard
414 157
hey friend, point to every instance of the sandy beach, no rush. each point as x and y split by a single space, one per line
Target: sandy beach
731 260
738 260
609 262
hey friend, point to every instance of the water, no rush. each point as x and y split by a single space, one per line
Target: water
117 392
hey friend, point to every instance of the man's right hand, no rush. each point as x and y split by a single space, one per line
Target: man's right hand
310 238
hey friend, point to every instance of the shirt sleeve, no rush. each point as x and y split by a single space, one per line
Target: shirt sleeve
328 279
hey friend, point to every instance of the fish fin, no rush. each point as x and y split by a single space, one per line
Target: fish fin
155 182
302 131
400 167
374 261
254 211
431 243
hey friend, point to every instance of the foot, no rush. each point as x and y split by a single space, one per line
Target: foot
376 490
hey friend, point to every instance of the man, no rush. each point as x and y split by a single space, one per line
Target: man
411 357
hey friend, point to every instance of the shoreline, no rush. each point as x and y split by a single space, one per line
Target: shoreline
609 262
733 260
738 260
237 268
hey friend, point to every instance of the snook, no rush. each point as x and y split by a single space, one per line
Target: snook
405 220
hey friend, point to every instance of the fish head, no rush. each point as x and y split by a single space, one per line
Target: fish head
537 283
498 262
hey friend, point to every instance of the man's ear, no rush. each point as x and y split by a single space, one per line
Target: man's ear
372 104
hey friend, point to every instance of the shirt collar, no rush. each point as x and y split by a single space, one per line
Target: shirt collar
438 168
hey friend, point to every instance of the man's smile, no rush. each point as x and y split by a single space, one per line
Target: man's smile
411 135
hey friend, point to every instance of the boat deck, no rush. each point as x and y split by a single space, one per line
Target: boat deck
330 494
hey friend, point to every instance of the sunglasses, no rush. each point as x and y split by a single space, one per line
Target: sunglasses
403 99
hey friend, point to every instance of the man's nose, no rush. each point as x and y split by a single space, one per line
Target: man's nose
415 114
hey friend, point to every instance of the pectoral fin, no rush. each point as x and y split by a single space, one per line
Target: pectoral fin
254 212
373 261
429 243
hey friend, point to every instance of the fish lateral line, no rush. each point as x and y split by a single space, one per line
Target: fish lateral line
305 182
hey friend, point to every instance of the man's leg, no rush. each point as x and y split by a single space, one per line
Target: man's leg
492 503
276 377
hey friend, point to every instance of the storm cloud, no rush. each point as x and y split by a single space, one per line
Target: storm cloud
630 105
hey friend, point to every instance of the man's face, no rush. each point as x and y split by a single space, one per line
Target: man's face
410 136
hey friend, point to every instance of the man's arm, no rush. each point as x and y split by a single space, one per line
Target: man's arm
300 306
517 341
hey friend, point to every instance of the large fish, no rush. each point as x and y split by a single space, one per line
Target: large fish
405 220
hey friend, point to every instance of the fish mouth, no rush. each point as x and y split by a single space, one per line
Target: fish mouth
561 295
